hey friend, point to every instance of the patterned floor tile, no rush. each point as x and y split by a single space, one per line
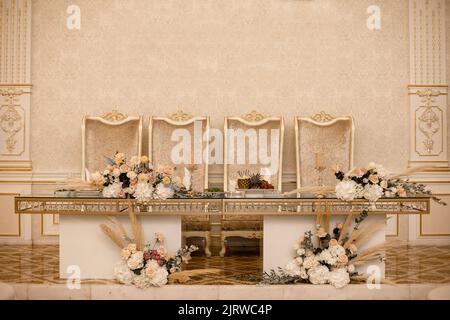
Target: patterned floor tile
404 264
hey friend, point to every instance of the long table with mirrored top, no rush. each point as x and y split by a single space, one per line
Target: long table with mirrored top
285 218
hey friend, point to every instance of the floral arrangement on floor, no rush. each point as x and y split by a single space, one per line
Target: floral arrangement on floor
146 265
373 182
330 257
136 178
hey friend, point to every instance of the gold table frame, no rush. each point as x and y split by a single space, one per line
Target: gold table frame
216 206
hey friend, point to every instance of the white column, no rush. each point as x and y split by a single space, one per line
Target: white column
428 87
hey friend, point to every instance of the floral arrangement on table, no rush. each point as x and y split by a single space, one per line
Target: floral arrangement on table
330 257
247 180
146 265
136 178
373 182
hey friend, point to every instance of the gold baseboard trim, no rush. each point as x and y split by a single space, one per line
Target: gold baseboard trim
16 168
16 85
427 85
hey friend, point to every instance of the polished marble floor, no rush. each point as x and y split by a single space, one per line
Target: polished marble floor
404 265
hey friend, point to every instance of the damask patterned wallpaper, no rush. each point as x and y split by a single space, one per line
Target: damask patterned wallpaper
219 58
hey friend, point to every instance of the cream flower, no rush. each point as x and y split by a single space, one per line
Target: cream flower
144 159
160 277
125 254
318 274
131 247
303 273
301 252
163 192
321 233
119 158
347 190
136 260
310 262
113 190
123 274
293 268
116 172
383 184
143 177
143 192
339 278
151 268
132 175
142 281
97 178
159 237
166 180
372 192
326 257
124 168
299 260
336 251
357 172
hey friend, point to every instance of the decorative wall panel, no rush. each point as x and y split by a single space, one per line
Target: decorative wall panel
15 86
428 84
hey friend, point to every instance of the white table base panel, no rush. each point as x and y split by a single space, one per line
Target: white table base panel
281 233
84 245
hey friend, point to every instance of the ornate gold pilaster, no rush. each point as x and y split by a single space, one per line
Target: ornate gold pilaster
15 87
428 88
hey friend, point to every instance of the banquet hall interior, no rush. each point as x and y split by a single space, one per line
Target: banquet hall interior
123 114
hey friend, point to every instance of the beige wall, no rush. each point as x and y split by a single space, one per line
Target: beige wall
220 58
447 30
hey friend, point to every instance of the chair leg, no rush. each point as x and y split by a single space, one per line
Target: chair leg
207 244
223 249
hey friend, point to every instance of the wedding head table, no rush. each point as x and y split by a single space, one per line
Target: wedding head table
285 218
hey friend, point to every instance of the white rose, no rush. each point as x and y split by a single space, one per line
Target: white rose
163 192
337 251
116 172
136 260
160 277
303 273
125 254
113 190
292 268
144 191
326 257
339 278
347 190
296 246
301 252
372 192
132 175
299 260
123 274
142 281
310 262
318 274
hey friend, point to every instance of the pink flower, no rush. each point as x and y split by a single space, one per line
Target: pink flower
374 178
357 172
343 259
333 242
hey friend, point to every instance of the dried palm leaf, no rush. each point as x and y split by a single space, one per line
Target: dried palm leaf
112 235
378 248
411 171
345 226
78 184
369 231
120 229
185 276
136 229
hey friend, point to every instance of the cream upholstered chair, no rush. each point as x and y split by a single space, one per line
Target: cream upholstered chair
332 138
105 135
161 145
246 226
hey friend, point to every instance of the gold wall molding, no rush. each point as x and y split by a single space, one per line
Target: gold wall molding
428 88
15 85
114 116
322 116
180 116
253 116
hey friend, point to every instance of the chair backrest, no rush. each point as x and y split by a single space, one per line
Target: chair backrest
164 142
249 143
330 138
105 135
